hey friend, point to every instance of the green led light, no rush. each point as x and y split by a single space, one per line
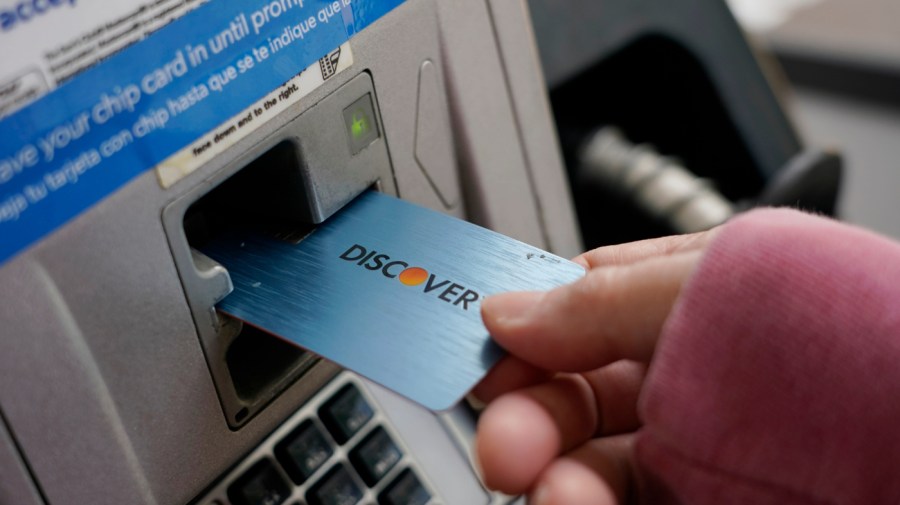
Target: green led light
359 126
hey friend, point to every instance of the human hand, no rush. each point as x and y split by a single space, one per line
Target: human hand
562 407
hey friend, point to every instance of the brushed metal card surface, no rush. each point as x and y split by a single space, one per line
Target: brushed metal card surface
389 290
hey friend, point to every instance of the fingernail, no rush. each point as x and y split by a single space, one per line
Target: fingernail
476 460
476 403
540 496
509 308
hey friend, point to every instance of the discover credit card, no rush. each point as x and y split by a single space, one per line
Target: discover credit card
389 290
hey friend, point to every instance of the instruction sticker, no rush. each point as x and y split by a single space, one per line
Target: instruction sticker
136 90
182 163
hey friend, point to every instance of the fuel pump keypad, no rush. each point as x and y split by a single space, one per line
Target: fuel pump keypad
339 449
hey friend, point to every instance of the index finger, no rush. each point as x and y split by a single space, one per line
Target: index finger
611 314
632 252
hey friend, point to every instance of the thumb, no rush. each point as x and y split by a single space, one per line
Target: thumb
612 313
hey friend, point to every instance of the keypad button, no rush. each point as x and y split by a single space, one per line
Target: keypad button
260 485
405 490
303 451
346 413
336 488
374 457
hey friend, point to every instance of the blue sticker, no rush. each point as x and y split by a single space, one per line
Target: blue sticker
78 144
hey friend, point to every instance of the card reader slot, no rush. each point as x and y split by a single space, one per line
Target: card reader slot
267 195
281 183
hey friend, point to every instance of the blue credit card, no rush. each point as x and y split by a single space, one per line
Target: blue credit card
389 290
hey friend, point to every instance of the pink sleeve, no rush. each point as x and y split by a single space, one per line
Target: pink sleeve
777 376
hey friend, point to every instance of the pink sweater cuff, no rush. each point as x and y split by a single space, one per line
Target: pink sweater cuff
777 376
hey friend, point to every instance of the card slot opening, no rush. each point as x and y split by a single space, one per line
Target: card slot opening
280 182
268 195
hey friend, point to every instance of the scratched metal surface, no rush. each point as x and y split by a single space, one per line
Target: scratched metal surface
409 340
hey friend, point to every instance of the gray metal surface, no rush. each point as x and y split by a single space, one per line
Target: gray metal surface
16 486
534 123
493 169
105 385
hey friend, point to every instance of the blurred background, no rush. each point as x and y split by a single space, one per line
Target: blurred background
842 61
766 102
